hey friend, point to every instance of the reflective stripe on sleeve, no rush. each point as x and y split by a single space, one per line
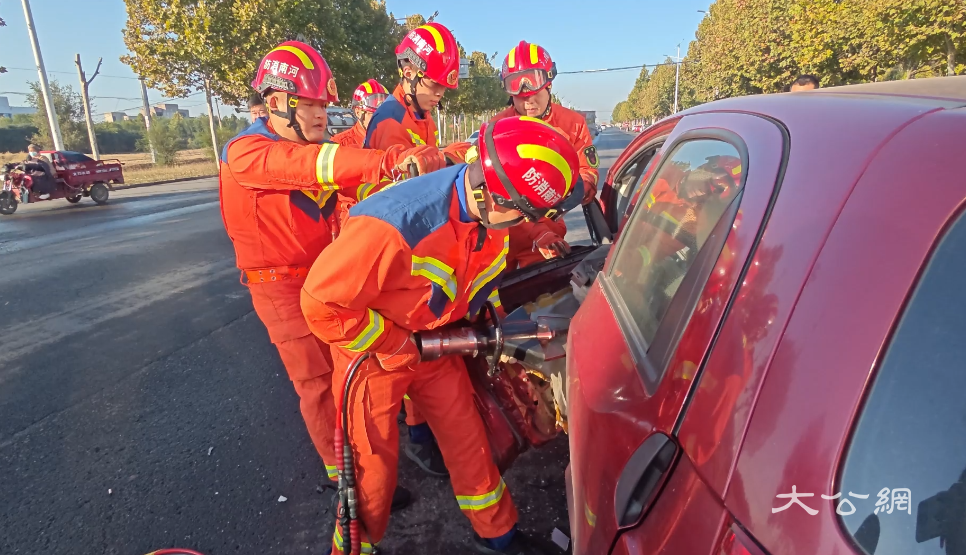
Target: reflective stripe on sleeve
437 272
337 539
325 164
332 471
480 502
377 325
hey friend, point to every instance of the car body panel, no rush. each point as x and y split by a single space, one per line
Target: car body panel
834 138
815 384
819 178
607 393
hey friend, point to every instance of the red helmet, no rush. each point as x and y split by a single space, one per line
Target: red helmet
297 69
369 95
432 49
528 166
527 69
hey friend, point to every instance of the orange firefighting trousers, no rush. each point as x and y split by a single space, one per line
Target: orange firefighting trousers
307 361
443 391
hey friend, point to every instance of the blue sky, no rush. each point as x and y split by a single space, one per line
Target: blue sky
579 35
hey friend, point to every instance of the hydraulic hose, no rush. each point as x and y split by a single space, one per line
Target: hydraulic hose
348 510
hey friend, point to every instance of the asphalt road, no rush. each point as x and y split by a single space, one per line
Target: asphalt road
142 405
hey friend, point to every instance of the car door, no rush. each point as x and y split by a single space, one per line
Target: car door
637 343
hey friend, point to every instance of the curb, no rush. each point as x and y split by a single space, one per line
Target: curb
166 182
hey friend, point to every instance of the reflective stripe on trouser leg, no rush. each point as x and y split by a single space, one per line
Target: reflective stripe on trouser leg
306 356
445 397
375 399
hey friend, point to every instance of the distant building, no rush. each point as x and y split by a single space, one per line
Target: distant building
112 117
166 111
8 111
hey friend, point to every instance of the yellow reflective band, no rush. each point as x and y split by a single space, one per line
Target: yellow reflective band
377 325
366 547
533 54
590 516
320 197
495 298
492 270
437 37
512 58
480 502
368 87
325 164
437 272
552 157
670 217
406 397
332 471
417 140
736 171
302 56
365 190
437 136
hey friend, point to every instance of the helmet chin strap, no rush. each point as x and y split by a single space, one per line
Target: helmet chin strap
478 185
411 95
292 101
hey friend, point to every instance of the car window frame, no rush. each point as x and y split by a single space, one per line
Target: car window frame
615 222
650 368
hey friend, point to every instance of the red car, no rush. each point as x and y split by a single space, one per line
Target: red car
772 360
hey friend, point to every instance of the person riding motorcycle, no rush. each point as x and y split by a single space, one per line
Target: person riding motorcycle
428 252
277 188
365 100
41 172
428 62
527 76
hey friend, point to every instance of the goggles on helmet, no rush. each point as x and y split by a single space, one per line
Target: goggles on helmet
527 81
370 102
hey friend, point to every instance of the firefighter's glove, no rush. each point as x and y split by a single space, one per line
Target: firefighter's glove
406 355
426 158
550 244
456 152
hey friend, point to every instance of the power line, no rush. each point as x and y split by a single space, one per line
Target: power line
71 73
615 68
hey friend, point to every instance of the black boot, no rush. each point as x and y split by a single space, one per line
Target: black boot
519 545
428 457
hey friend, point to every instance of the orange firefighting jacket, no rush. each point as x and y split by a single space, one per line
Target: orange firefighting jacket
276 194
406 262
395 123
353 136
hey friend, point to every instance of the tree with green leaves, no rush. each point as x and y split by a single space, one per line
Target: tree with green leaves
70 116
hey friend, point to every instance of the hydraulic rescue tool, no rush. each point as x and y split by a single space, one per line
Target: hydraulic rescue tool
488 339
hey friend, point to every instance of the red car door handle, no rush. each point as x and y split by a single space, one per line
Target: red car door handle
642 478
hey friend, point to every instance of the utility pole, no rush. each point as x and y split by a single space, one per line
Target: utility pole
85 83
211 123
147 119
677 77
44 85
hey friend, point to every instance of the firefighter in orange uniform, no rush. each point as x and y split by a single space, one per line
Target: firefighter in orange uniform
527 76
419 255
429 63
365 100
277 186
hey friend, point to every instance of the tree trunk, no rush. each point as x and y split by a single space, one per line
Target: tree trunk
950 56
211 123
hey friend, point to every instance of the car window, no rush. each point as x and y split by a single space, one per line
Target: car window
669 226
629 178
76 157
908 452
